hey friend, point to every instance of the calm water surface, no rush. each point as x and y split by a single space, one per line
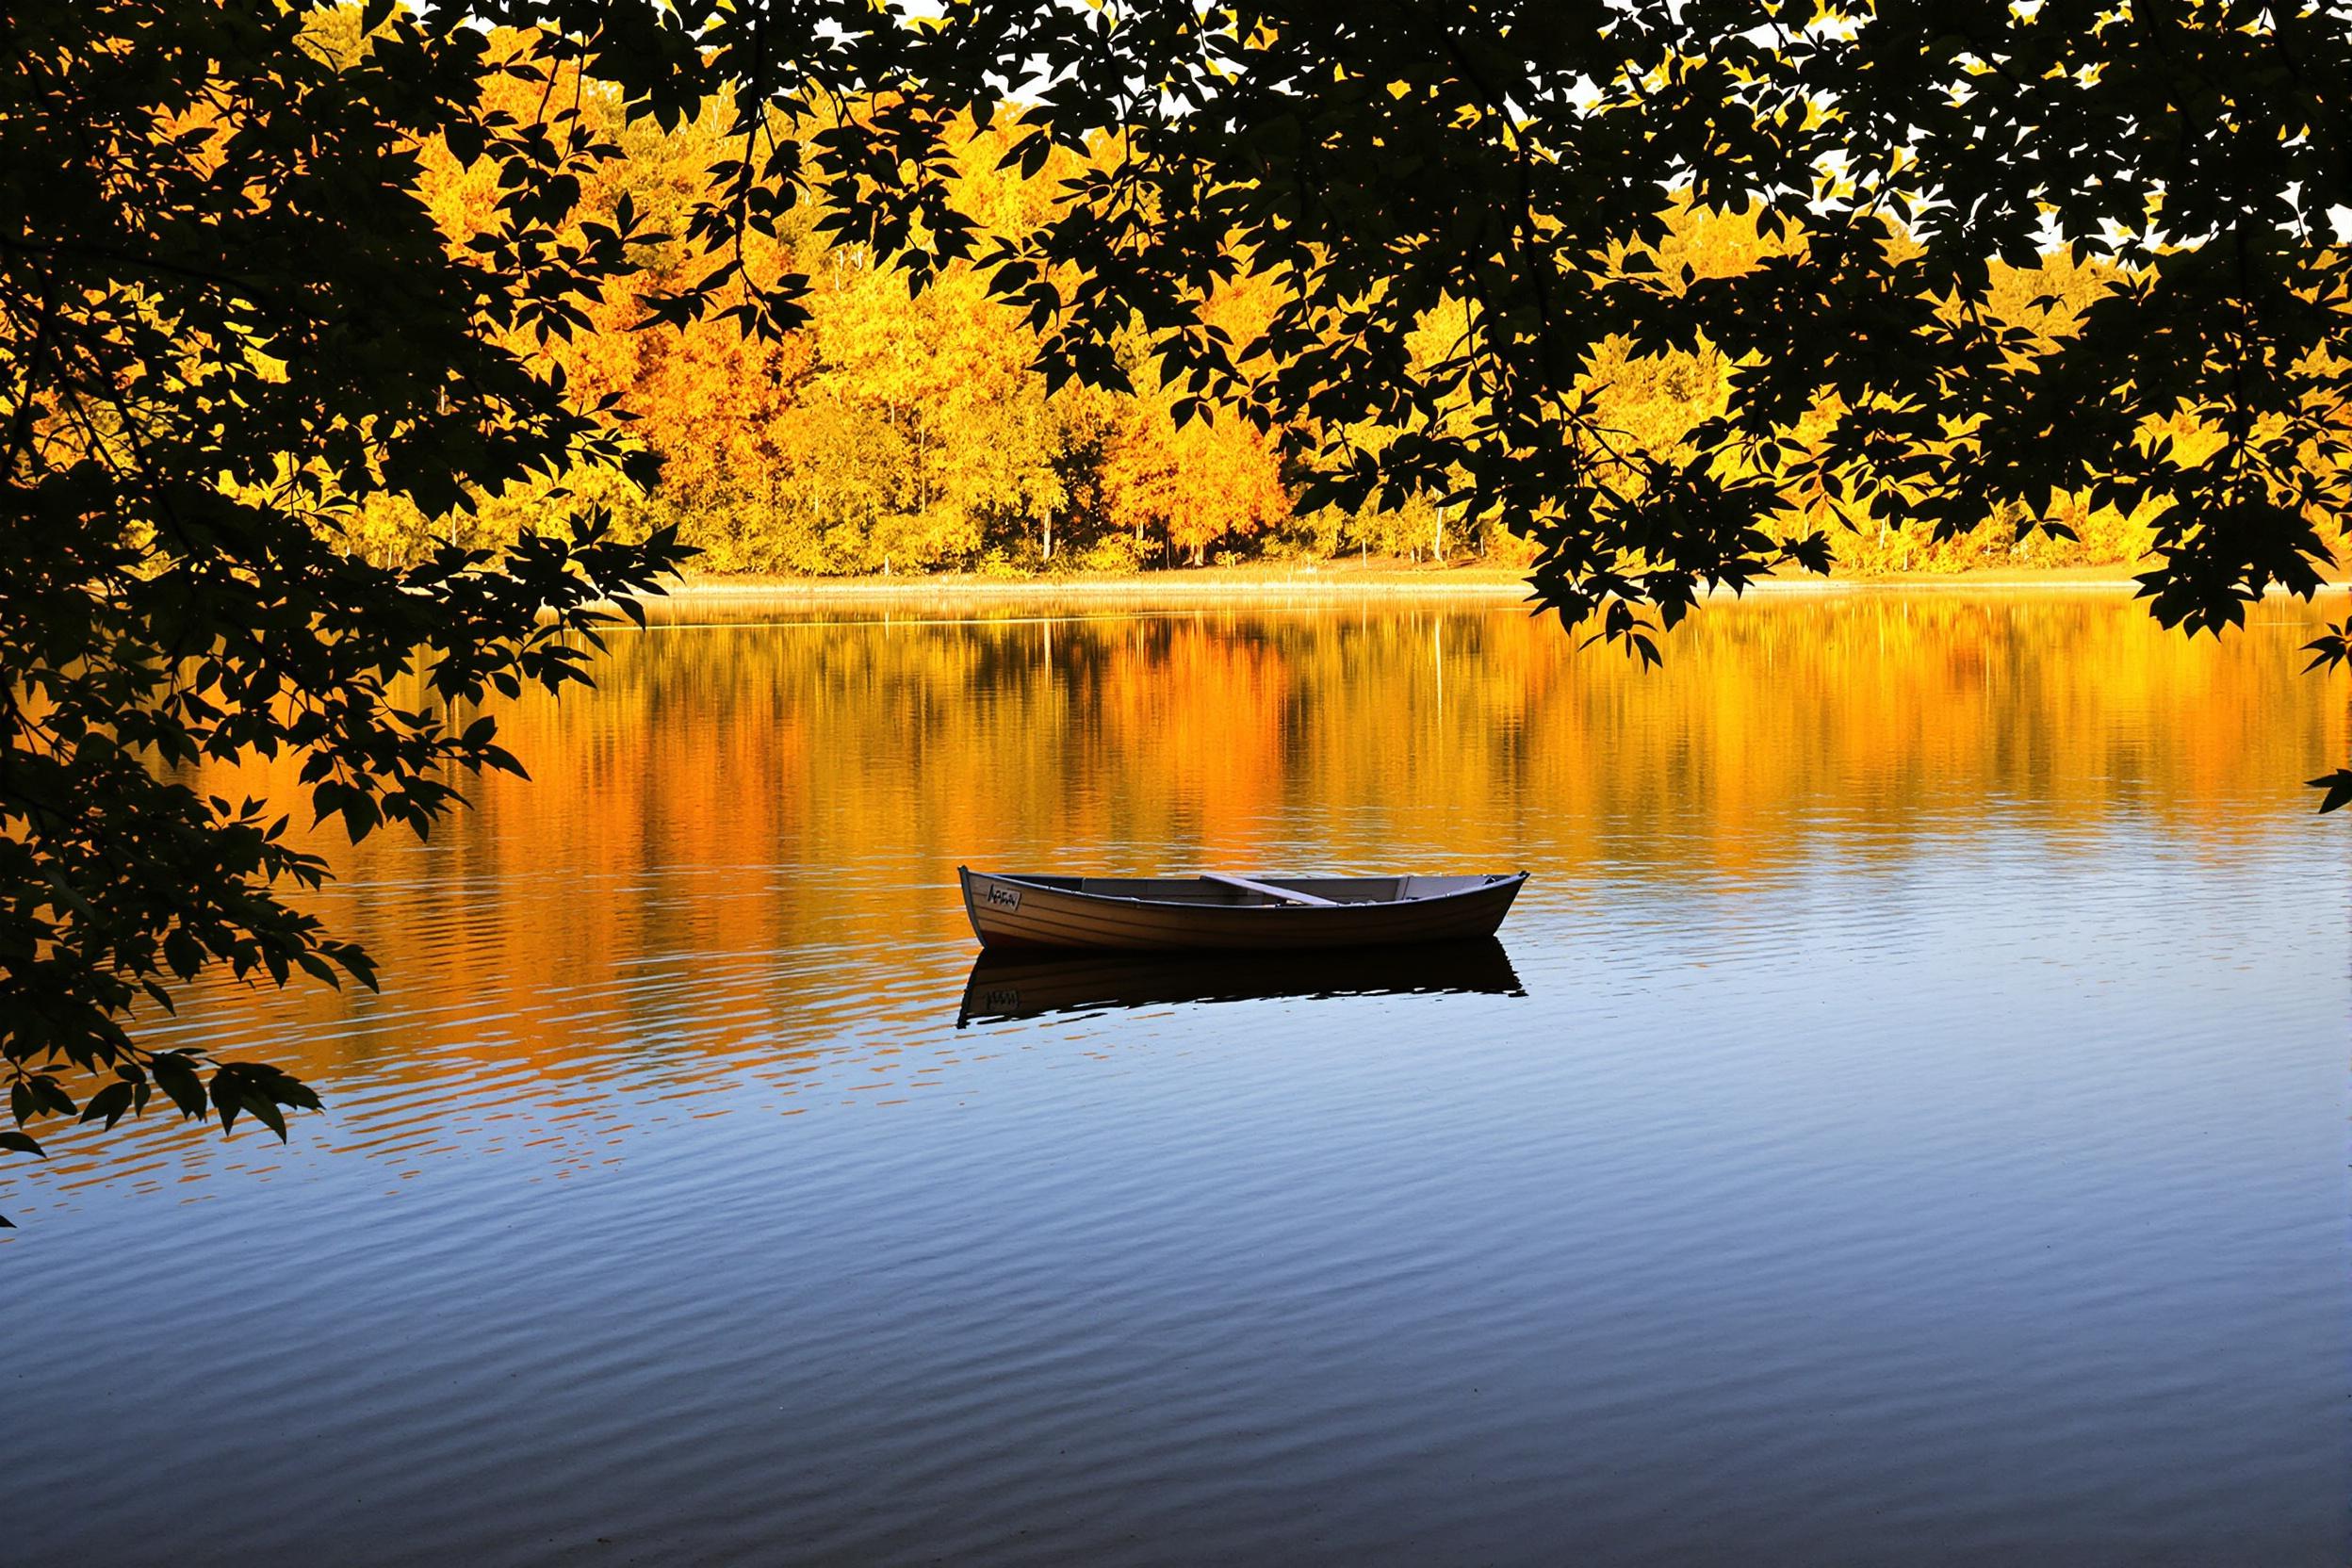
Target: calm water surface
1907 1126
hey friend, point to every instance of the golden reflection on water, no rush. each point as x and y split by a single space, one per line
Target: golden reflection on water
741 848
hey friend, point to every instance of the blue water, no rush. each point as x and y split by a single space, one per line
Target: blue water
1965 1190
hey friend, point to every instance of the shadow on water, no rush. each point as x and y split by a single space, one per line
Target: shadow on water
1006 985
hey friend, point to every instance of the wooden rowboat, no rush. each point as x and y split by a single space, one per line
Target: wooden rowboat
1037 983
1220 912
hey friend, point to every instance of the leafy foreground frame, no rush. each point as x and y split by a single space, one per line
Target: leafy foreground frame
231 322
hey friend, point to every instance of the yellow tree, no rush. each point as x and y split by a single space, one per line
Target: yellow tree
1205 479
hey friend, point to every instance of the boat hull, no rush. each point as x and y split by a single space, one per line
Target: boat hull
1009 912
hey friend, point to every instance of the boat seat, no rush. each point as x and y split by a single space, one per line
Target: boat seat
1285 894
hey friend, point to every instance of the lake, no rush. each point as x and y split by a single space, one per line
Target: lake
1905 1122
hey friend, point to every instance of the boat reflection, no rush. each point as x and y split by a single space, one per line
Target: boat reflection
1032 985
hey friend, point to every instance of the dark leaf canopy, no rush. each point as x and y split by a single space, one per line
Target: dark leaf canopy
231 319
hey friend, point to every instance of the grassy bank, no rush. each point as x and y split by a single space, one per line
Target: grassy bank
1376 579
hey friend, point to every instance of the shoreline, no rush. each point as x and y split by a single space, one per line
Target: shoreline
1213 583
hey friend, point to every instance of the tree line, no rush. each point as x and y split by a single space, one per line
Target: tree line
904 433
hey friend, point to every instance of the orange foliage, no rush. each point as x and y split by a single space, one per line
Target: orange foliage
898 433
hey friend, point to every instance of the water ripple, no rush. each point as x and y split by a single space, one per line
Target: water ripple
1908 1153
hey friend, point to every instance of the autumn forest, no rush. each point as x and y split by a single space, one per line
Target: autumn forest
906 432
